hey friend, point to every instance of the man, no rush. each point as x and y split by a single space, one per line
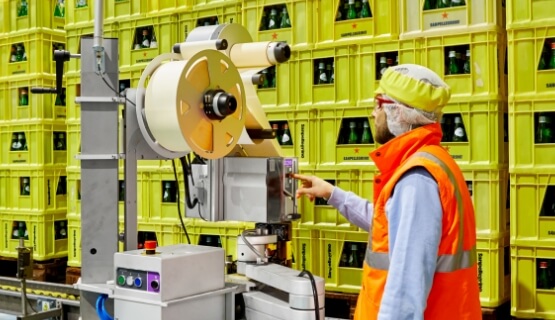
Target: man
421 257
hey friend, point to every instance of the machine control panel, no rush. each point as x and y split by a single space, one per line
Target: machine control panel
138 280
290 167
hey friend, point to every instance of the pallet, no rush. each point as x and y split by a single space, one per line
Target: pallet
502 312
46 271
341 305
72 275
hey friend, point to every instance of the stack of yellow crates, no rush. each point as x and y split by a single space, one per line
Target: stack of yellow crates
531 39
33 179
326 91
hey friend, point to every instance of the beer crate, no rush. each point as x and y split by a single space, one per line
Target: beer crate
533 206
196 4
530 13
219 13
162 195
315 88
45 233
221 234
36 15
4 100
39 191
332 27
280 89
257 17
340 267
473 16
305 249
489 190
532 296
532 77
483 77
318 214
30 54
530 149
5 20
143 190
34 144
20 104
302 127
494 270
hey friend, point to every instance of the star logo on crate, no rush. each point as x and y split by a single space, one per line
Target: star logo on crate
357 150
19 155
144 54
354 25
446 148
274 36
18 67
445 15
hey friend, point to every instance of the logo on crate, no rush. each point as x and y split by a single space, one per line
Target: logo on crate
329 261
354 33
35 238
48 191
356 158
302 141
74 243
551 233
445 22
550 85
5 235
19 160
145 59
303 257
480 271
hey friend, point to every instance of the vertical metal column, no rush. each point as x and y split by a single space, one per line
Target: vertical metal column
99 169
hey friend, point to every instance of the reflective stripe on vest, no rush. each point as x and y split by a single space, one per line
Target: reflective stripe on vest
462 259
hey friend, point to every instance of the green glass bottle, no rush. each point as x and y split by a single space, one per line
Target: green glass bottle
366 136
457 3
20 53
15 143
263 21
265 81
273 77
443 3
23 9
81 4
63 230
332 77
285 22
25 187
358 7
275 128
15 230
145 42
286 136
365 11
121 191
544 279
543 58
351 13
428 5
353 136
22 142
544 134
167 195
21 230
23 97
345 13
467 63
459 135
383 66
453 64
552 60
329 72
354 259
272 22
61 142
59 10
322 77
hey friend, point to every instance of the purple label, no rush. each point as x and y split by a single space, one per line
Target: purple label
288 162
153 282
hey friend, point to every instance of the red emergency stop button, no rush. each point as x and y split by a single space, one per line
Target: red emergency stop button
150 247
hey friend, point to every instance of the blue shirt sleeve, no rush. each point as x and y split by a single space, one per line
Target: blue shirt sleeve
414 214
357 210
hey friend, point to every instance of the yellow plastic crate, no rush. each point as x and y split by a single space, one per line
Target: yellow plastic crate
282 94
530 13
44 146
44 234
314 95
46 192
5 17
494 271
382 26
338 266
256 20
533 207
526 153
529 299
74 240
219 234
4 100
527 81
38 49
475 16
197 4
160 211
40 14
305 249
487 76
163 28
490 189
303 134
4 184
318 214
38 107
222 12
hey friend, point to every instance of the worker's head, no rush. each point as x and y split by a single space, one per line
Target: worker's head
409 96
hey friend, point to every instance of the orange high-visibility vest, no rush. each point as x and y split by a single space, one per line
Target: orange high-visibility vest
454 294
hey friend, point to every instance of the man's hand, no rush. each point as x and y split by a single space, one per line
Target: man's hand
313 187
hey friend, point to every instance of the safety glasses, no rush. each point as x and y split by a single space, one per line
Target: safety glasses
380 101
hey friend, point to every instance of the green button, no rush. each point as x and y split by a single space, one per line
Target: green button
121 280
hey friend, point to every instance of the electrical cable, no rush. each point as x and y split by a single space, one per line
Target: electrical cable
249 245
113 89
101 308
29 303
314 292
179 203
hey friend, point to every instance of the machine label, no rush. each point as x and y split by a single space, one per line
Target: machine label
480 270
302 141
329 261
